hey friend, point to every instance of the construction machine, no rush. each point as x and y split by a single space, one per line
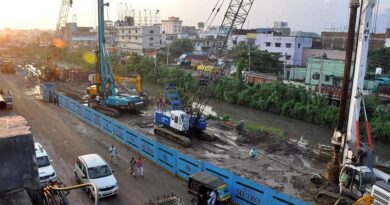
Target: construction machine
178 123
356 176
8 67
103 96
135 80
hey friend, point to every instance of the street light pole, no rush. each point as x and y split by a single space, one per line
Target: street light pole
284 68
168 54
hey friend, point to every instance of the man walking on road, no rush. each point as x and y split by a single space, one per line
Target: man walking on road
140 167
113 153
132 166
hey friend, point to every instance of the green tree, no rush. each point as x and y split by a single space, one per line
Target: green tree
262 61
379 58
180 46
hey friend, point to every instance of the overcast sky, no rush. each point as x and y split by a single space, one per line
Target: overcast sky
305 15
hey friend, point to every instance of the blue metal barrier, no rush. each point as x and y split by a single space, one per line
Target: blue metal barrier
243 191
166 157
187 166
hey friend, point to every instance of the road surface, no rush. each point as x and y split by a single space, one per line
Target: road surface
65 137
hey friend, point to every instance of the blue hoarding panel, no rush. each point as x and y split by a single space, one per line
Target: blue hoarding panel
187 166
106 124
87 115
218 172
147 147
118 131
246 192
96 118
166 157
79 110
131 138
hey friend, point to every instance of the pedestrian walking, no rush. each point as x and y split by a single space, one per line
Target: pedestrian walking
140 167
132 166
212 199
113 154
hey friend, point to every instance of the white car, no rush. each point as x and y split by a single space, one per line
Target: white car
92 168
45 170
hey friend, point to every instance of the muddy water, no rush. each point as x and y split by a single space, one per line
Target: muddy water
314 134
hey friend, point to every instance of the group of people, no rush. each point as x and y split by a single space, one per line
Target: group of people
136 165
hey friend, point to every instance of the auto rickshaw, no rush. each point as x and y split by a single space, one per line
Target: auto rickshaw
201 184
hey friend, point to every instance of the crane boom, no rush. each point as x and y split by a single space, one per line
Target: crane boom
358 79
63 15
223 45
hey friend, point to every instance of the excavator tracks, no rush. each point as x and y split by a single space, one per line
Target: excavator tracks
169 134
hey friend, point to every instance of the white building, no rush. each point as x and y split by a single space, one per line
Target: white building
291 47
387 44
138 39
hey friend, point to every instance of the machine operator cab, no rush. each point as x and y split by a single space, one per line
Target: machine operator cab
355 181
179 120
202 183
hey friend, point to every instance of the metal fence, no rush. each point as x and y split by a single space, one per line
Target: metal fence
243 191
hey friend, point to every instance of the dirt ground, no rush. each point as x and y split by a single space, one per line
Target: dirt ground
283 164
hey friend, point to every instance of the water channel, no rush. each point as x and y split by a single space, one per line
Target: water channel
314 134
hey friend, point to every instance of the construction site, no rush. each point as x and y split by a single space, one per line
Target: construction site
59 124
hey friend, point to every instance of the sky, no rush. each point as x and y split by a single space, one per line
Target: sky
301 15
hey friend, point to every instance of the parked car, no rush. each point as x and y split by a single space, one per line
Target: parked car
45 169
92 168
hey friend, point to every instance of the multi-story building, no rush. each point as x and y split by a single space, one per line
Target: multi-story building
138 39
79 37
110 33
171 26
290 47
170 29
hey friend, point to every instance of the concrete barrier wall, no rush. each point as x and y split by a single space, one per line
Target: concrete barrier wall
243 191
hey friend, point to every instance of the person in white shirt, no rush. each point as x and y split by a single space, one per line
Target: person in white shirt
113 153
212 199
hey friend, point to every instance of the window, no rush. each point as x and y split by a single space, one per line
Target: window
288 57
176 119
99 172
43 161
136 38
299 45
277 45
136 31
129 37
151 31
150 44
151 38
123 31
288 45
268 44
327 78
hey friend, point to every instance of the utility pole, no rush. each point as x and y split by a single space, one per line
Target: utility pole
284 68
333 167
321 73
168 53
249 56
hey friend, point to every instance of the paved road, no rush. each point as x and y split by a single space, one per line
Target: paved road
65 137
